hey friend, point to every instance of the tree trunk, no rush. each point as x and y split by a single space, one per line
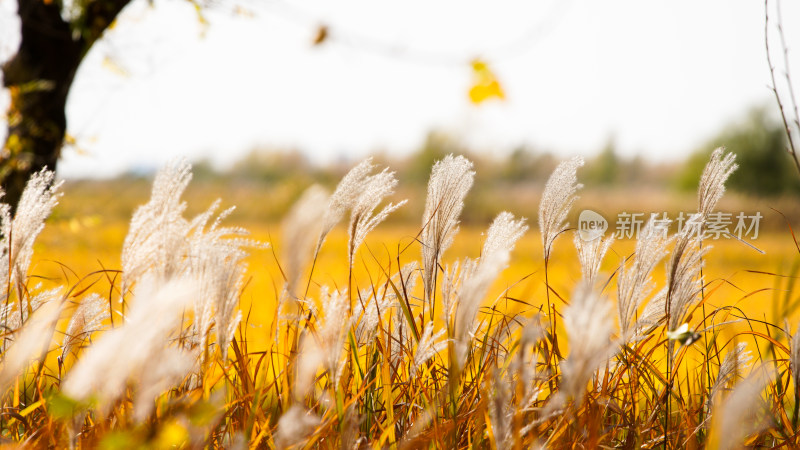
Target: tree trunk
39 78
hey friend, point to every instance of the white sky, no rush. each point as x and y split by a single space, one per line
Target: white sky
658 76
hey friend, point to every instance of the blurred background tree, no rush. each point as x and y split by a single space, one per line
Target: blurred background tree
759 142
55 37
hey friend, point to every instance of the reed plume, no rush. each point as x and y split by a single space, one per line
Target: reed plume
712 182
362 219
589 327
301 228
502 236
137 353
557 199
156 237
735 362
88 318
684 280
634 281
590 255
38 199
346 194
450 180
743 412
427 347
31 342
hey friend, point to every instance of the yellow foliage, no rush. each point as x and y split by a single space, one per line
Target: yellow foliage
485 85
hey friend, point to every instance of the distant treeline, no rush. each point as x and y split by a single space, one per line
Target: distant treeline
765 168
266 183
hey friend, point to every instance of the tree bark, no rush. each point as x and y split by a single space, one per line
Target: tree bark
39 78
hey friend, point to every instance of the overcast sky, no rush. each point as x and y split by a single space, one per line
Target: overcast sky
659 77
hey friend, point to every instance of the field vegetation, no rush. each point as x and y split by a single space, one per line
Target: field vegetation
353 323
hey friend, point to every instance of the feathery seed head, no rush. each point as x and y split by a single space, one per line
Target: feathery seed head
712 182
31 342
87 318
589 326
502 236
38 199
301 228
294 426
427 347
138 352
684 283
362 220
590 255
735 362
156 237
347 192
451 178
634 282
557 200
743 412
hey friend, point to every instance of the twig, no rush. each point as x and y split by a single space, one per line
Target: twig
786 121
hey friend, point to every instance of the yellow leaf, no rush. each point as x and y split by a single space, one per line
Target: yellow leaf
485 85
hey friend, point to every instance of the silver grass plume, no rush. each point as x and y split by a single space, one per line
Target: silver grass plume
31 342
35 205
652 315
451 278
589 326
301 227
712 182
634 282
326 346
557 200
295 426
216 257
162 245
362 219
156 239
451 178
87 319
347 192
502 236
732 366
590 255
367 318
743 412
684 281
15 321
427 347
138 353
501 412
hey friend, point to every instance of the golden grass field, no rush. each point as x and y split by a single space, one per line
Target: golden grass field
515 386
75 247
